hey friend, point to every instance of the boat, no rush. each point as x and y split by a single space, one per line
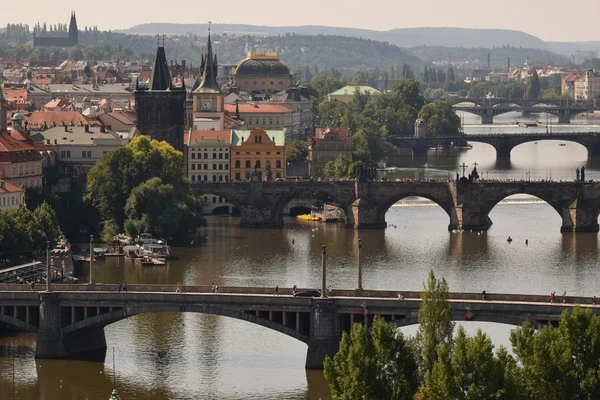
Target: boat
149 261
132 252
462 145
153 247
562 144
100 253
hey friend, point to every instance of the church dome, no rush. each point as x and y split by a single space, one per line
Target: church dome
262 64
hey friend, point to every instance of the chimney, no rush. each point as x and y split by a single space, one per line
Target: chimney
1 184
109 127
87 128
47 141
66 128
102 129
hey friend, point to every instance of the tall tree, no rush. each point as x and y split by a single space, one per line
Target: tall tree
376 366
440 119
533 89
450 75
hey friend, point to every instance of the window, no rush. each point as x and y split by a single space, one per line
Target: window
62 155
193 166
247 152
83 154
89 154
278 175
257 165
193 178
214 156
205 178
13 200
220 166
247 163
268 152
220 178
214 180
278 152
237 176
220 156
214 197
264 121
237 152
205 155
68 153
226 178
278 164
247 175
104 152
237 163
270 121
193 156
227 166
227 156
276 122
214 166
205 166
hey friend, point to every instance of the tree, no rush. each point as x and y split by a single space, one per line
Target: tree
560 363
533 89
112 180
450 75
355 167
296 151
440 119
155 207
435 323
376 366
338 168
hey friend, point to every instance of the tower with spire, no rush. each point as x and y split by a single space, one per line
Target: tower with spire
40 39
207 97
73 31
160 106
3 111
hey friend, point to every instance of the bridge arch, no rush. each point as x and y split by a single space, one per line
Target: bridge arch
17 323
102 320
446 205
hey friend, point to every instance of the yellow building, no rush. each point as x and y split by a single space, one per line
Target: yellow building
252 151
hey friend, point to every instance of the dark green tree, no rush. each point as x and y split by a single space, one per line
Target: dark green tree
450 75
338 168
440 119
533 88
296 151
376 366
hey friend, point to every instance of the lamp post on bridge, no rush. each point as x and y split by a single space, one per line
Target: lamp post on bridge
324 273
91 260
358 268
48 266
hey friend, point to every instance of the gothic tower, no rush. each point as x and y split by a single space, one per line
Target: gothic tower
161 107
208 99
73 33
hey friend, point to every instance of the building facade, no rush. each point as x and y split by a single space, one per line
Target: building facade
20 162
11 196
327 145
160 106
208 156
262 115
254 153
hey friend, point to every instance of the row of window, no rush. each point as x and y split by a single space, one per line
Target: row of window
214 166
256 121
257 164
258 153
15 200
27 170
86 154
263 82
247 175
214 199
214 156
215 178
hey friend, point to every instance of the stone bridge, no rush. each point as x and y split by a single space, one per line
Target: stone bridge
467 204
69 321
487 109
502 143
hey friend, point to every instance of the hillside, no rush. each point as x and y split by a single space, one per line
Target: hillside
406 37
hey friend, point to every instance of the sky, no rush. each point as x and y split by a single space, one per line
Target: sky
551 20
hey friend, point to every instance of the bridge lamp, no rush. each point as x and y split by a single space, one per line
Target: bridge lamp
48 266
91 260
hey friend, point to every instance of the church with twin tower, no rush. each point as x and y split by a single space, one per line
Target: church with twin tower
161 107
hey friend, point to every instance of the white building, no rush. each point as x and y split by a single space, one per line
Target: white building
208 155
11 196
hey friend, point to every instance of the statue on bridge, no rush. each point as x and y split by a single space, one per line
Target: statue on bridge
577 175
583 174
268 171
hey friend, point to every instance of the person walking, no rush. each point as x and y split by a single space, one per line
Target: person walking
594 301
564 297
120 287
483 295
552 295
125 287
214 288
277 289
294 289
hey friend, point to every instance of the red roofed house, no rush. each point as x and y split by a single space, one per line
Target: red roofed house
208 155
568 84
41 120
20 162
11 196
262 115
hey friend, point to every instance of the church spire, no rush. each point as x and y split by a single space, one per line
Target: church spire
161 79
209 75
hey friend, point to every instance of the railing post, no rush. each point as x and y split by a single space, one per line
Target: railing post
91 260
324 273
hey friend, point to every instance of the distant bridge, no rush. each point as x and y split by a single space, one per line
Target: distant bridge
503 143
487 109
70 321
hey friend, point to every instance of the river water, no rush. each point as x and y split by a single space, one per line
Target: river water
192 356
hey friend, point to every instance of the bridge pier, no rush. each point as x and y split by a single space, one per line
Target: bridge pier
89 344
503 149
580 216
487 119
259 216
324 333
564 118
471 219
365 216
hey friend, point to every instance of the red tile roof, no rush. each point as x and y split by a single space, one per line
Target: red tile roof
14 94
10 188
344 134
36 120
246 108
197 136
14 151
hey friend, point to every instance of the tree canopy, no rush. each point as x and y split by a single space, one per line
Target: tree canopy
296 151
440 119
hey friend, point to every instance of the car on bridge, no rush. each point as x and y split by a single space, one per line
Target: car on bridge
308 293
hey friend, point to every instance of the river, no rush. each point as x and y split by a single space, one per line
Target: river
192 356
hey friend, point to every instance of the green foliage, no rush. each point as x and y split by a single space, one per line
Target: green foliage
560 363
355 167
533 89
376 366
112 184
440 119
550 94
509 89
296 151
435 323
23 233
338 168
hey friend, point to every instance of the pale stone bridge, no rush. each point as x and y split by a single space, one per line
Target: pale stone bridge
69 322
467 204
502 143
487 109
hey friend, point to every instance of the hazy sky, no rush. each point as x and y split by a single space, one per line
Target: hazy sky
555 20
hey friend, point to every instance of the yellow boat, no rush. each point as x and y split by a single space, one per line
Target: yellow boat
308 217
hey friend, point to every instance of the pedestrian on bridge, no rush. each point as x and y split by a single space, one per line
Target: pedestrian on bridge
552 296
594 301
483 295
277 289
564 297
124 286
120 287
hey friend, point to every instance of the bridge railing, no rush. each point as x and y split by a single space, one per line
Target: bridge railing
243 290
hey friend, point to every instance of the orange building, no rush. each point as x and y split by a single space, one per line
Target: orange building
252 151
